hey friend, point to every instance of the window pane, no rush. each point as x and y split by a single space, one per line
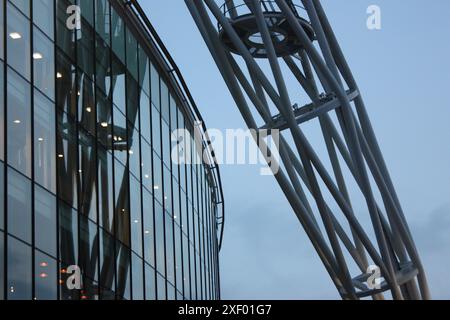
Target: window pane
150 288
132 101
88 175
19 123
123 271
2 43
145 117
87 10
144 71
19 285
118 35
122 203
156 130
85 47
107 266
170 263
67 153
23 5
104 120
2 192
68 235
155 86
42 10
45 221
165 108
119 85
138 278
18 41
161 285
88 248
19 206
66 85
120 136
136 216
159 233
149 238
157 178
2 265
134 152
44 67
65 37
178 259
103 66
105 189
44 142
86 103
45 269
132 55
147 165
102 16
2 111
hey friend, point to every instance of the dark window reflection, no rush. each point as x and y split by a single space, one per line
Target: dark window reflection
45 221
45 270
89 254
2 109
132 54
65 37
66 87
122 215
107 262
68 234
19 206
19 285
104 120
85 47
86 103
123 259
103 66
67 155
118 35
105 189
87 175
102 19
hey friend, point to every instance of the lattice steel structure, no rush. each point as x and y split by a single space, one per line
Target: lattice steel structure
259 48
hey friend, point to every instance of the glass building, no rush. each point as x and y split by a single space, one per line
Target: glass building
89 99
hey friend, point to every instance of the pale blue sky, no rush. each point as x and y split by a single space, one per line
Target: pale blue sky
404 73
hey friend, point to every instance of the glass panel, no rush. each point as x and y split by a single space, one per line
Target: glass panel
66 87
157 178
65 37
86 104
103 66
165 132
19 123
168 191
178 259
118 83
45 269
85 47
18 31
88 176
156 130
45 221
173 114
161 285
88 248
104 120
147 165
170 263
2 42
134 152
19 285
145 117
42 10
2 198
2 266
87 10
19 206
155 86
132 55
138 278
165 108
150 288
105 189
149 241
186 274
102 22
68 234
23 5
159 233
2 111
136 216
118 35
67 153
44 64
123 271
144 71
170 292
133 101
122 203
120 137
44 142
107 266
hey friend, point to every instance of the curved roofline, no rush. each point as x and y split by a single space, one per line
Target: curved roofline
173 73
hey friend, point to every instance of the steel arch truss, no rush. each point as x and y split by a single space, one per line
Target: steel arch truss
261 91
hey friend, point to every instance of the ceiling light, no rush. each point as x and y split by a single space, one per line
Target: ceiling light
104 124
88 109
15 35
59 75
37 56
17 121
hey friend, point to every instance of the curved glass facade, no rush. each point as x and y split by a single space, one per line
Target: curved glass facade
87 181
